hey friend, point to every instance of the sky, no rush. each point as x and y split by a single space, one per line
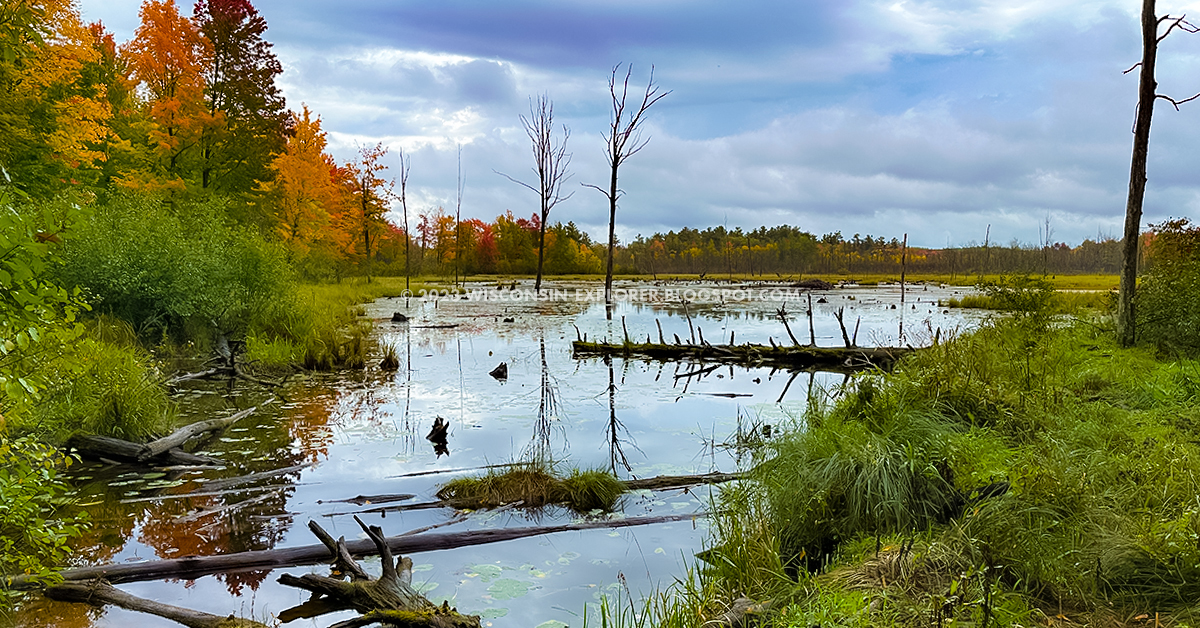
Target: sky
948 120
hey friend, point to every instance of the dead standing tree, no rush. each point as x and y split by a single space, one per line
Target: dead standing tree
551 161
624 140
1147 94
404 166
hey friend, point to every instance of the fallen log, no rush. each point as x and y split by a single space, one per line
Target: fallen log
663 482
164 451
363 500
117 451
192 567
188 432
100 593
839 359
657 483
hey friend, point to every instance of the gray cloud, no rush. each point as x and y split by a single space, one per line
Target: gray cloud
933 117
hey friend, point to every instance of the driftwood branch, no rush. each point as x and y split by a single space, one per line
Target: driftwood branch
100 593
392 594
188 432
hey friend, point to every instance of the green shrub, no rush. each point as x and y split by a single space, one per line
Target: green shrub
33 539
176 272
1165 305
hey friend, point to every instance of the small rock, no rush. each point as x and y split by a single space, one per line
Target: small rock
399 318
509 319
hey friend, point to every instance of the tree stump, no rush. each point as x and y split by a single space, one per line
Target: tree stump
390 600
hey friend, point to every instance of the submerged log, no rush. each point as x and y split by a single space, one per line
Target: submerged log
838 359
662 482
192 567
101 592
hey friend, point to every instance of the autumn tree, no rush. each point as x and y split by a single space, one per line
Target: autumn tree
623 140
550 165
52 110
370 195
167 57
1147 95
300 191
240 84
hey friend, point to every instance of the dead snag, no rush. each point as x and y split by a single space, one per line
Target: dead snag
393 591
99 592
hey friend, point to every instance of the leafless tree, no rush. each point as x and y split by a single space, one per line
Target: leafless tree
458 219
404 166
623 140
551 162
1147 94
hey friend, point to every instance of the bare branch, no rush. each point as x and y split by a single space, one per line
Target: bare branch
1176 103
517 181
1133 67
1178 22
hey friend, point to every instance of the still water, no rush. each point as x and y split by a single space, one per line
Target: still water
363 433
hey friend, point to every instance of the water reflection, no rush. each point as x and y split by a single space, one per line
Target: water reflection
363 433
540 449
617 433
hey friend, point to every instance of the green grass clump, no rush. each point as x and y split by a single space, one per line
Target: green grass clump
585 491
116 390
535 486
970 301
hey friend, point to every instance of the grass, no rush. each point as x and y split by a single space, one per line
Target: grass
115 392
535 486
1065 301
1030 472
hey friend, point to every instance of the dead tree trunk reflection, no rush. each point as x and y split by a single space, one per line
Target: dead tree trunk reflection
541 447
616 452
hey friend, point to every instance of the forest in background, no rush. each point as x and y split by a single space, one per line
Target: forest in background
189 111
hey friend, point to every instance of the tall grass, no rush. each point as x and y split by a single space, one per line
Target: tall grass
115 391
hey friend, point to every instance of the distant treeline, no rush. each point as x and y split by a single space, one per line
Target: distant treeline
788 250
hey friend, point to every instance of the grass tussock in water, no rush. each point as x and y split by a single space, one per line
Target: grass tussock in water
1030 472
535 486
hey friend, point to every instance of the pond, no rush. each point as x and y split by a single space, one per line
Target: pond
363 433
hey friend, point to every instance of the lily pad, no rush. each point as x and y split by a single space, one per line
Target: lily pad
508 589
485 572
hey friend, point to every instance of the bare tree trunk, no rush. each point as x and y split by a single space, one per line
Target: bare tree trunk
1126 322
623 141
612 239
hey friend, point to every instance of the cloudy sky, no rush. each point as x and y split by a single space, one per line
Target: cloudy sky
934 118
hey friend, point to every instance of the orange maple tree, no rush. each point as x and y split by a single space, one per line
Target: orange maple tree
167 58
